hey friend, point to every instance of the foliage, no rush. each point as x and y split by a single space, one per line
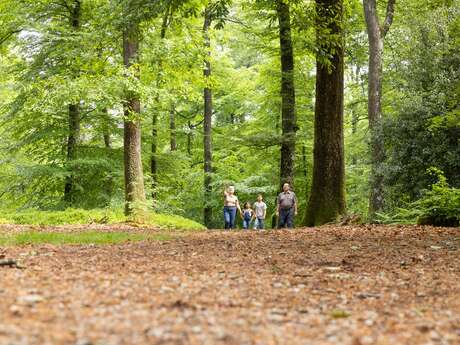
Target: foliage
439 206
423 127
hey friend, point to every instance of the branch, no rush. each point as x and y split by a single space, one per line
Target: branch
238 21
8 35
197 124
388 18
86 113
10 263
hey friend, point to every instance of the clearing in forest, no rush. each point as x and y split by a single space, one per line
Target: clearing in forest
328 285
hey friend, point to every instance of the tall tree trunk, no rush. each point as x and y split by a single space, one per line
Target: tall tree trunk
172 128
153 155
376 35
72 142
354 129
207 124
73 119
354 114
189 138
108 183
154 146
134 177
106 129
327 197
288 116
305 169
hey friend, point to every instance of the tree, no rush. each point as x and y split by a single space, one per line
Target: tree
327 197
288 116
207 123
159 83
376 35
214 11
172 129
134 177
74 114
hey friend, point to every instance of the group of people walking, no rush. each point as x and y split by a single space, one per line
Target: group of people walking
286 209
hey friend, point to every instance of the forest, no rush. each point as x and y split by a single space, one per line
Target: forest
159 105
131 128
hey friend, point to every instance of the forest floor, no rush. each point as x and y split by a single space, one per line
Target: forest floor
351 285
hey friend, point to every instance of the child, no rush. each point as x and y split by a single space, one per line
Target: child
260 211
247 215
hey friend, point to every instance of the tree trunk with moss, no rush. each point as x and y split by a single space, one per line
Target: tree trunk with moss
134 177
327 197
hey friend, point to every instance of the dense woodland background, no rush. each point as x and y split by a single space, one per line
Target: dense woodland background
205 86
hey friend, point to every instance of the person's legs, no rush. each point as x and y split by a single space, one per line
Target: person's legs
245 224
282 218
256 223
260 223
226 217
232 217
290 218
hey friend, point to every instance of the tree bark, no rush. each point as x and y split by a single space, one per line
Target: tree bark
108 183
189 138
172 128
288 115
153 155
376 36
207 124
327 197
73 119
72 142
305 168
134 177
154 146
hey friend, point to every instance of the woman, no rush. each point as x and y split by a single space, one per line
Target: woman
231 204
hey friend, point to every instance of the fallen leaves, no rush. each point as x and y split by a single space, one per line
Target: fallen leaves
330 285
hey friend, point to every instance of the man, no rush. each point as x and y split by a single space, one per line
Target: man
286 207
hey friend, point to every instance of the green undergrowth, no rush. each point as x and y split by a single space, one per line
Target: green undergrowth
97 216
439 206
87 237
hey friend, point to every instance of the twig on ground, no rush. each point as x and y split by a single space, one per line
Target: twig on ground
11 263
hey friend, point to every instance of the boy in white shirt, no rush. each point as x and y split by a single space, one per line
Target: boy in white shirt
260 211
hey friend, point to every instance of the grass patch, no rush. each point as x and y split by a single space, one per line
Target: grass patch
96 216
90 237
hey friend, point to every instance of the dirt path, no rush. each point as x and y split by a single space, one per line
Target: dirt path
348 285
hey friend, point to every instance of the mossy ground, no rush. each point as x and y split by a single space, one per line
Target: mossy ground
96 216
84 237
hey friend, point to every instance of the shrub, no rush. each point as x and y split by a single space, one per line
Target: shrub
439 206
